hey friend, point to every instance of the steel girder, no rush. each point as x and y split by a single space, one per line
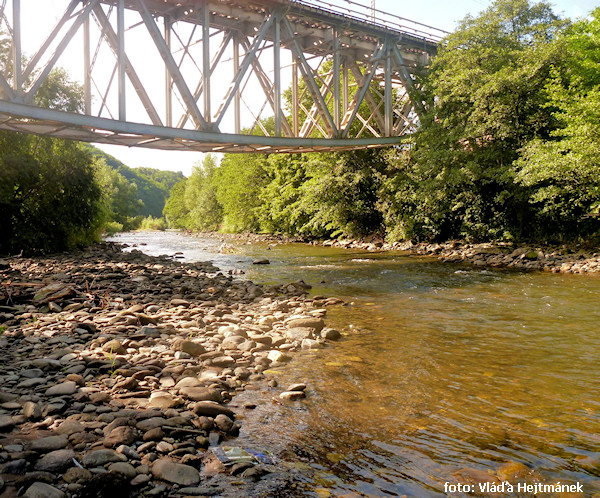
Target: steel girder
198 75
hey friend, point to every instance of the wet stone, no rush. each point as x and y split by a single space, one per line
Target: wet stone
331 334
211 409
224 423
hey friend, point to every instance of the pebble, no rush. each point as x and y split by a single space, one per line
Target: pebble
69 427
177 473
292 395
6 423
32 410
63 389
163 400
130 393
201 394
99 458
56 461
211 409
123 468
43 490
123 435
300 386
77 475
278 356
49 443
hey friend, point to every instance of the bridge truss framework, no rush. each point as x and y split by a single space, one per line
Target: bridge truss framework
216 76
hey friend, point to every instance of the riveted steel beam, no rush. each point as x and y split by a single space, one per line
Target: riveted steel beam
167 57
234 53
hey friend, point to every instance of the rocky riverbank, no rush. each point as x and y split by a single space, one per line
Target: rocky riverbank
119 374
555 259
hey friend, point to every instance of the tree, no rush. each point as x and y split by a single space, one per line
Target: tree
484 101
340 195
205 210
49 197
240 180
280 209
119 197
193 202
176 212
562 169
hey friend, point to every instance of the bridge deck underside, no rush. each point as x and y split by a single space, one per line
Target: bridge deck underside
57 124
215 76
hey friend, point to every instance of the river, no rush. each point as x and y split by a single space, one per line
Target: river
442 368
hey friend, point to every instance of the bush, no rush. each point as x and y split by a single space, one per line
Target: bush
151 223
49 197
112 227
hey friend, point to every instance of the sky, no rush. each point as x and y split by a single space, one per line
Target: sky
441 14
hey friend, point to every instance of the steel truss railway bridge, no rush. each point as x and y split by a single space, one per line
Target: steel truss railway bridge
214 76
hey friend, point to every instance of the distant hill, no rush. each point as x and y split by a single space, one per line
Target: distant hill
153 185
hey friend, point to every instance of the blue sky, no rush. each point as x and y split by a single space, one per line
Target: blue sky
443 14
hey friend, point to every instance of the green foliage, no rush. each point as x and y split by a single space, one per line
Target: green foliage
340 195
59 92
112 227
508 148
205 211
166 180
280 210
151 223
193 203
119 197
484 101
239 181
49 198
175 210
563 169
152 185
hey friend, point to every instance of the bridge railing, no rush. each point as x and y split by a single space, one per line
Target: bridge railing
365 13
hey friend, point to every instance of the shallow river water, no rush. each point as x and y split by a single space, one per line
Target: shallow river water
442 368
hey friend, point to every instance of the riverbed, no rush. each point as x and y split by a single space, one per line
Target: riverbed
442 368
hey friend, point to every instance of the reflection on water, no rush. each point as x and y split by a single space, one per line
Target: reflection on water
441 368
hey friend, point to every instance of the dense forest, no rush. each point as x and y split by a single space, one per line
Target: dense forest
508 148
152 185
